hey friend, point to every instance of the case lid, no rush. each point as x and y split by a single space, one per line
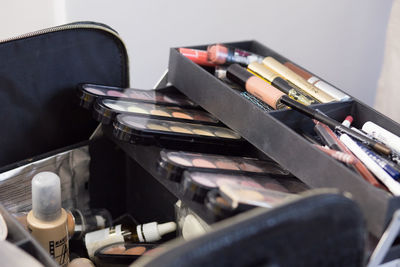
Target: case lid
38 75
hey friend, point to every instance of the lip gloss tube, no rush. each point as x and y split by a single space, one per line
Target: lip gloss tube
317 82
222 54
197 56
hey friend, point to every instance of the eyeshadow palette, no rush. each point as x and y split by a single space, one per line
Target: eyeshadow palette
145 130
196 185
122 254
105 110
242 196
88 93
173 163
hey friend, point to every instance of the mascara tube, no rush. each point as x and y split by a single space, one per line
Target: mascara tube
261 71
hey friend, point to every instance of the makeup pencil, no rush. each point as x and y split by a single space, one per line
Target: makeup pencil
383 176
358 165
277 99
341 156
263 72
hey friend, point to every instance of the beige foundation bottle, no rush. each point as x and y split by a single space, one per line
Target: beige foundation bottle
47 221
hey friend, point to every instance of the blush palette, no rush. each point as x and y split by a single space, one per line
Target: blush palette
105 110
88 93
173 163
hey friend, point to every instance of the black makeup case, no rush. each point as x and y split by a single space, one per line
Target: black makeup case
46 129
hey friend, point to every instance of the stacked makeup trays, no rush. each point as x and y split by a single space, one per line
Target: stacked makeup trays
275 133
189 167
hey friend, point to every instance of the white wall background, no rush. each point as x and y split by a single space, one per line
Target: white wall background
341 40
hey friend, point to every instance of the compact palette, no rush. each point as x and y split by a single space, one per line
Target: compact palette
122 254
171 134
243 196
196 185
173 163
88 93
105 111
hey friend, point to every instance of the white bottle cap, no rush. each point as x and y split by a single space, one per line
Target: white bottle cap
153 231
100 238
46 196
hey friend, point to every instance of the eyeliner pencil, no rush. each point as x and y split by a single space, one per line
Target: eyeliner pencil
358 165
277 99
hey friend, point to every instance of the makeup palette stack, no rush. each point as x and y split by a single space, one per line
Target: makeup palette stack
189 151
157 117
298 119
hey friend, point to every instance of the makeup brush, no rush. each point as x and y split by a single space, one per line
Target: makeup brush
277 99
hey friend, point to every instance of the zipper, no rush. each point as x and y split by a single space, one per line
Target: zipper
71 26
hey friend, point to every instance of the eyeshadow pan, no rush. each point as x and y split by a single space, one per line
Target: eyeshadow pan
204 181
248 182
249 167
158 112
198 162
179 129
224 133
137 110
180 160
137 95
222 201
135 251
115 93
181 115
118 249
228 165
202 132
95 91
153 126
249 194
114 106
